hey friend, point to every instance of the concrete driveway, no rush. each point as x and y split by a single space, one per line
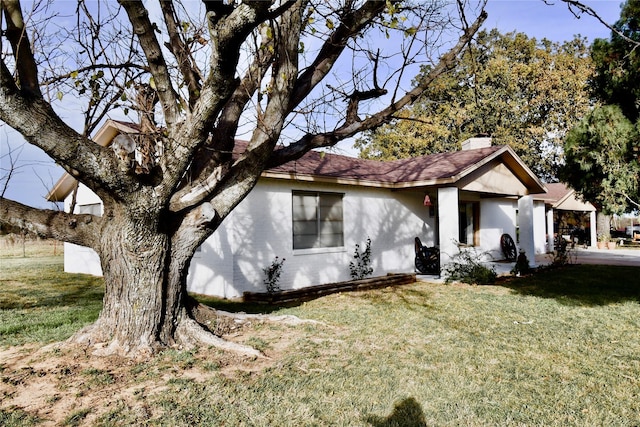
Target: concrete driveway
629 257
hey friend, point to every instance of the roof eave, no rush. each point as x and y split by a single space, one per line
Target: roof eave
103 137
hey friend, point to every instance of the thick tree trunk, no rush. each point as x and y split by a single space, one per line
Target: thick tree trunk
603 224
146 307
134 253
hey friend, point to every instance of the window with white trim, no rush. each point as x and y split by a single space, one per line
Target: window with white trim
317 220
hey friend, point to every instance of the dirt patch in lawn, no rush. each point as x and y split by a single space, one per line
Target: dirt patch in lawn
58 382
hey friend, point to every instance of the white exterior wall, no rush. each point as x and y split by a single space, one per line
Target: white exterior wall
539 227
497 217
80 259
230 262
448 226
260 228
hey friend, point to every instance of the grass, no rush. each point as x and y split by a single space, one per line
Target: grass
560 348
17 246
41 303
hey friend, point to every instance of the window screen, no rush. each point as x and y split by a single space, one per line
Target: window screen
317 220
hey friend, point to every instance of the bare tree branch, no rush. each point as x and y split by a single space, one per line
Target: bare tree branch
580 6
25 62
181 52
143 28
54 224
351 24
348 129
94 67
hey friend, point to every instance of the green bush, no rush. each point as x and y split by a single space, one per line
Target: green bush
465 267
272 275
360 267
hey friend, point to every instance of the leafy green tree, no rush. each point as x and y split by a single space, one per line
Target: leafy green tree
617 63
602 152
523 92
602 159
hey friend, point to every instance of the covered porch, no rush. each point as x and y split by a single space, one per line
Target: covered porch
474 207
568 217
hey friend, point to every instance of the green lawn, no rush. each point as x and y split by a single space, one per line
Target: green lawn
561 348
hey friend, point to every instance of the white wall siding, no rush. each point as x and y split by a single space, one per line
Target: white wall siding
211 269
84 197
539 227
260 229
80 259
497 217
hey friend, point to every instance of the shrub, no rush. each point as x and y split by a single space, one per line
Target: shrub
562 255
272 275
522 265
466 267
360 267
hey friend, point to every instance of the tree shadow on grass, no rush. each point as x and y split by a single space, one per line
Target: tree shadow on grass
588 285
406 413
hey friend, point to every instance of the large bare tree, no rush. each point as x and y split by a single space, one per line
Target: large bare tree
291 76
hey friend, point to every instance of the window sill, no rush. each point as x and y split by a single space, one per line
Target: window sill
314 251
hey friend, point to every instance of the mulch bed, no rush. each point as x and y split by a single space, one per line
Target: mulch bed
312 292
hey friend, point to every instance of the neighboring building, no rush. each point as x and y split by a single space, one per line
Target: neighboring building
567 216
313 212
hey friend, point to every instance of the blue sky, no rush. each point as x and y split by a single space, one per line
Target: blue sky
36 173
554 21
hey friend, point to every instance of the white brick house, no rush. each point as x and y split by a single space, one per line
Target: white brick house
313 212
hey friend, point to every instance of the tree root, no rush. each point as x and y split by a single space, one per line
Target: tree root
200 326
97 342
206 315
191 334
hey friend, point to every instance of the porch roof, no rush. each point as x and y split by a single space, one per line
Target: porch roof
561 197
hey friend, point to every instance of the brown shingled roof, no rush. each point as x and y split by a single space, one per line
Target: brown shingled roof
435 169
419 169
555 192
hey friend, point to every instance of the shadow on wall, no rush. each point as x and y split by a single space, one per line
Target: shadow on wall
253 234
406 413
211 268
233 259
392 224
496 218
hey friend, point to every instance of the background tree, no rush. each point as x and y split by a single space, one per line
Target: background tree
601 155
523 92
617 63
290 75
603 151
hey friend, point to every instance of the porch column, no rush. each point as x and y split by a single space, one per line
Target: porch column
550 231
448 223
592 229
525 221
